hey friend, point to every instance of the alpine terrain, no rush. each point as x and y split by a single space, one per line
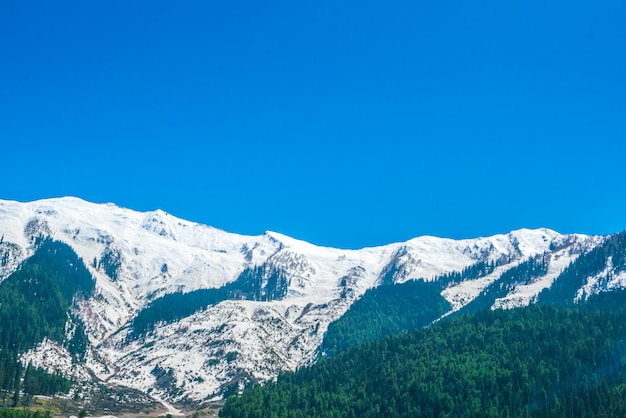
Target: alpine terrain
180 312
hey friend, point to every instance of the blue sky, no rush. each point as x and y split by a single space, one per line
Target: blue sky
346 124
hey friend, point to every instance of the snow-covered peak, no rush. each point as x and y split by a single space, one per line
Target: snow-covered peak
161 253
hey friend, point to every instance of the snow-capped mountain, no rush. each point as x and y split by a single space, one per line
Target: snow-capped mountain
283 292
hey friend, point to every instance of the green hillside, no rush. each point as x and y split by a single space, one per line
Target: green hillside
386 310
35 303
537 361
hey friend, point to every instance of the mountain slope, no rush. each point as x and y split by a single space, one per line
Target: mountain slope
383 311
158 321
533 361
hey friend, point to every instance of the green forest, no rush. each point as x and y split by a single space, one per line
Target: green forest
174 306
18 413
396 308
386 310
35 304
538 361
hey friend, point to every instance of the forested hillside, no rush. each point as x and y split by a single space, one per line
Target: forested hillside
175 306
386 310
391 309
603 262
536 361
35 304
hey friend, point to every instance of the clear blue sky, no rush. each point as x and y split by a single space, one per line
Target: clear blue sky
344 123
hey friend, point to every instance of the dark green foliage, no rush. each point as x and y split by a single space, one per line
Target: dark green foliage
38 382
35 299
475 271
23 413
8 250
391 309
78 342
565 288
164 378
174 306
111 261
530 362
389 272
386 310
10 374
259 283
35 304
394 308
613 301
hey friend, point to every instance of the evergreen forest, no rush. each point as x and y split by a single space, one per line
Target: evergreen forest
35 304
538 361
386 310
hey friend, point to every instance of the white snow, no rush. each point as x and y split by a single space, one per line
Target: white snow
466 291
524 294
604 281
52 357
238 339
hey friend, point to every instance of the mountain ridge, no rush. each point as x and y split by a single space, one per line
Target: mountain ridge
138 257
